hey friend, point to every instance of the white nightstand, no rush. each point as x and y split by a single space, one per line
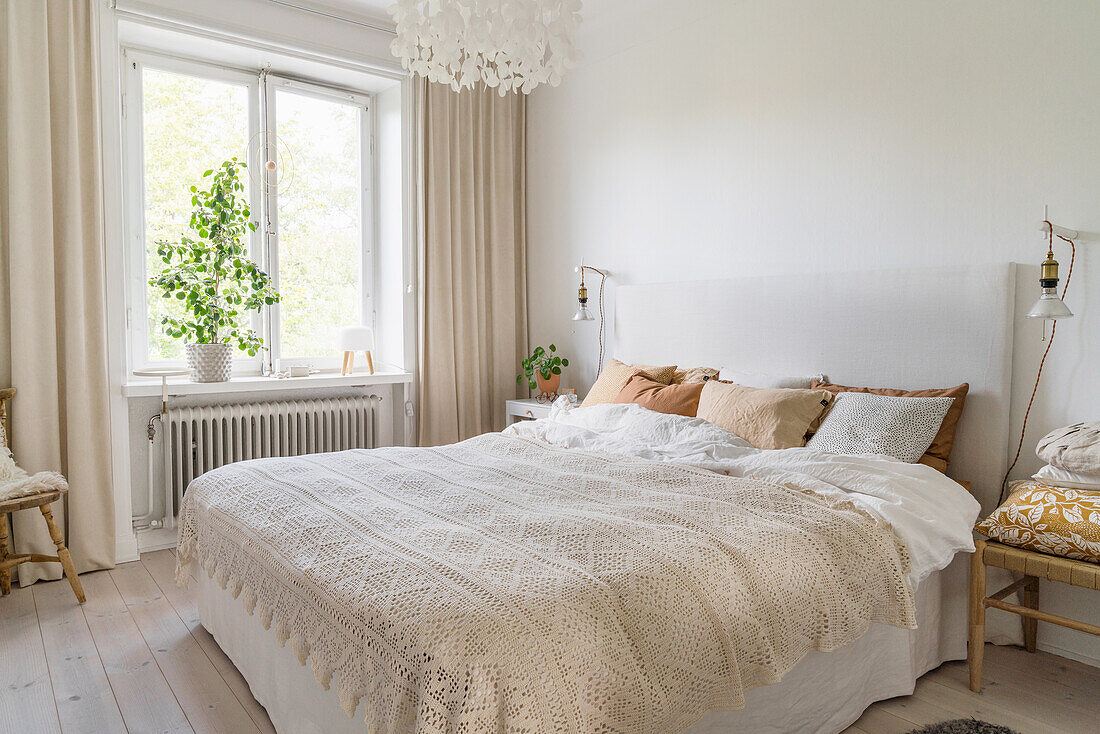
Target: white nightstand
526 410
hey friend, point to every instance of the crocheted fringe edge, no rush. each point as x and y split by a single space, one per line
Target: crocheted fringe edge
299 640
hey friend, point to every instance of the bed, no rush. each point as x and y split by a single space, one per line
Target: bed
395 575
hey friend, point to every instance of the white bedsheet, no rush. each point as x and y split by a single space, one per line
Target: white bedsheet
933 514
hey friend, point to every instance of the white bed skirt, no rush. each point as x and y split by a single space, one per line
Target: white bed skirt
824 693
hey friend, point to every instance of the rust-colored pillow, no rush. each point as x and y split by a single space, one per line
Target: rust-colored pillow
680 399
938 455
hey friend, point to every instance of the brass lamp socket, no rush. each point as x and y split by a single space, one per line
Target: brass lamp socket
1048 275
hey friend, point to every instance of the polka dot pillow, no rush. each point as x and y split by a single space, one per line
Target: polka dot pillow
864 423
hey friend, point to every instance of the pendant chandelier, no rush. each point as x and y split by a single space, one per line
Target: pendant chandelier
510 45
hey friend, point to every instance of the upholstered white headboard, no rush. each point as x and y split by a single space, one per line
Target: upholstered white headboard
910 329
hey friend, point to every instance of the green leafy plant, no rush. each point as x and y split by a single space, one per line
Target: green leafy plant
209 269
543 361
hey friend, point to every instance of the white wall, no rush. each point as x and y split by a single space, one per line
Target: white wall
720 138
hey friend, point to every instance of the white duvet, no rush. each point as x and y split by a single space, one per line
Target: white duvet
933 514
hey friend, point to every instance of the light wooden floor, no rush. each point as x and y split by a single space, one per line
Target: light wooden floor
135 658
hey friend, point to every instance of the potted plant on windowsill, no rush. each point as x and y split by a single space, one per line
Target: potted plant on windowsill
210 272
543 371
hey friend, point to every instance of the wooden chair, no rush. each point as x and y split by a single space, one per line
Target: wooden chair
42 501
1034 566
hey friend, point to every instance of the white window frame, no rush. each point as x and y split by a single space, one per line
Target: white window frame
270 84
263 245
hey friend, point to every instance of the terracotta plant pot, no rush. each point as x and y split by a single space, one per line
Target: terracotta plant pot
548 388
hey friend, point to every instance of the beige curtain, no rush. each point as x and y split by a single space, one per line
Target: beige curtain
53 336
473 284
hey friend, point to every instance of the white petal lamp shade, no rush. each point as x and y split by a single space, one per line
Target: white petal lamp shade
514 45
355 339
1049 306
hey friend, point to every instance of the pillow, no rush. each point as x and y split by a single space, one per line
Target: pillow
695 374
763 379
933 461
1054 477
673 399
614 377
766 418
938 455
862 423
1062 522
1073 448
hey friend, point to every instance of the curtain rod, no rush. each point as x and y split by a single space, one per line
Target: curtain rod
334 16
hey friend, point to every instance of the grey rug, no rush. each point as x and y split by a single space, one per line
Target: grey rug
963 726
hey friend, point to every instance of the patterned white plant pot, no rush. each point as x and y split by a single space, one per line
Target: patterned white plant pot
210 362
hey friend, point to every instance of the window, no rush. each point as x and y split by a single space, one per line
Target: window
311 208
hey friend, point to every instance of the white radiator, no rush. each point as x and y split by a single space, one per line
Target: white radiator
199 439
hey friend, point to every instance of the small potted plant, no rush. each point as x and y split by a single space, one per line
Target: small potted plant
542 370
210 272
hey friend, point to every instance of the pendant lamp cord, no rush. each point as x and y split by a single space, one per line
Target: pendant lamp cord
603 279
1042 362
599 367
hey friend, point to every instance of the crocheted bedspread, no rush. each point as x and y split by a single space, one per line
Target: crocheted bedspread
501 584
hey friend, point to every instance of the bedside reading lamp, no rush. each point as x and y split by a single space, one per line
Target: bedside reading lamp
583 314
354 339
1050 306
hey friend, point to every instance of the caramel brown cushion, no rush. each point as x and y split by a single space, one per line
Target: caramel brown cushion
768 418
938 455
673 399
614 376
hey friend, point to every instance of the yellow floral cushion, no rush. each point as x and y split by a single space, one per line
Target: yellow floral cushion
1056 520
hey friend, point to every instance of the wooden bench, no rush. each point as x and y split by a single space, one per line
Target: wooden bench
1034 566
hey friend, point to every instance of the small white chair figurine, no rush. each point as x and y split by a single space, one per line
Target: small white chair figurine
354 339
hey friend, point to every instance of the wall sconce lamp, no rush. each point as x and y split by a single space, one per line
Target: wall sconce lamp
583 314
1049 306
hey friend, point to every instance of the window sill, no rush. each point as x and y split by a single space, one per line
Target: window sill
139 387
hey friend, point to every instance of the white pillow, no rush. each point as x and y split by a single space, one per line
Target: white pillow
766 380
1073 448
864 423
1065 478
